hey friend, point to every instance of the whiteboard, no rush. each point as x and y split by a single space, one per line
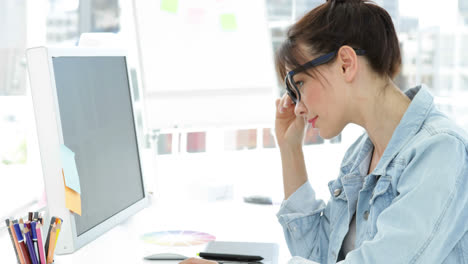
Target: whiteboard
189 51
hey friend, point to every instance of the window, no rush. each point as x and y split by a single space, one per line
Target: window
196 142
35 23
210 121
240 139
20 168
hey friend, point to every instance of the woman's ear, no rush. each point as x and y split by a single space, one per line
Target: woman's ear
347 60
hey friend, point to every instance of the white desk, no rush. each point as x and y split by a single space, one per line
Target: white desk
227 220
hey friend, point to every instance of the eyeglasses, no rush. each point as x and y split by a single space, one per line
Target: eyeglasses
291 87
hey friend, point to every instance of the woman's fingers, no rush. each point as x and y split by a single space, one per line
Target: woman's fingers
285 103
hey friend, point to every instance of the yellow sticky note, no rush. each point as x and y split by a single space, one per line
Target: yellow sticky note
72 199
228 22
170 5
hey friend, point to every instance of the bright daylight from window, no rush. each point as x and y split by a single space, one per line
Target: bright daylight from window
212 135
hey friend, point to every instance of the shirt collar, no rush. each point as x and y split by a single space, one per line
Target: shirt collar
421 103
410 124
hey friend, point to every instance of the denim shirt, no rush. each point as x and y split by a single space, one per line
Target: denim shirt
413 208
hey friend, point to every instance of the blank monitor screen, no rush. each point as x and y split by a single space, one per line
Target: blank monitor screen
98 126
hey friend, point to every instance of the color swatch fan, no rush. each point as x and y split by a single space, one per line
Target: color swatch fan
179 238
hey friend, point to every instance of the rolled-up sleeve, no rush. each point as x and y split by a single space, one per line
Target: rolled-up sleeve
429 215
305 224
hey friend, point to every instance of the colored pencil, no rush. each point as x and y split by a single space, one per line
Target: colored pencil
57 232
24 251
40 244
50 252
46 246
13 238
34 238
29 243
21 224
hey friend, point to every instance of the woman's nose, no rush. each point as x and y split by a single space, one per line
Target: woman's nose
300 109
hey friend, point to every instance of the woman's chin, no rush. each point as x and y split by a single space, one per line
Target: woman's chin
323 133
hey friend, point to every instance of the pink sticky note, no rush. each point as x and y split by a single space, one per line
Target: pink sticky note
195 16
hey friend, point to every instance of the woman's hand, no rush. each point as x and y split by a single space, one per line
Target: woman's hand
289 128
198 261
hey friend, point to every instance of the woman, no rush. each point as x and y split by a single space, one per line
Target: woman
400 196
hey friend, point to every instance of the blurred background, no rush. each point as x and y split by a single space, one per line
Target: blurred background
205 87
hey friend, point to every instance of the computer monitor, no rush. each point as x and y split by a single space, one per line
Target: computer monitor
83 99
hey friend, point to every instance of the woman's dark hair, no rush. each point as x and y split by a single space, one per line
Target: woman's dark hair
357 23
